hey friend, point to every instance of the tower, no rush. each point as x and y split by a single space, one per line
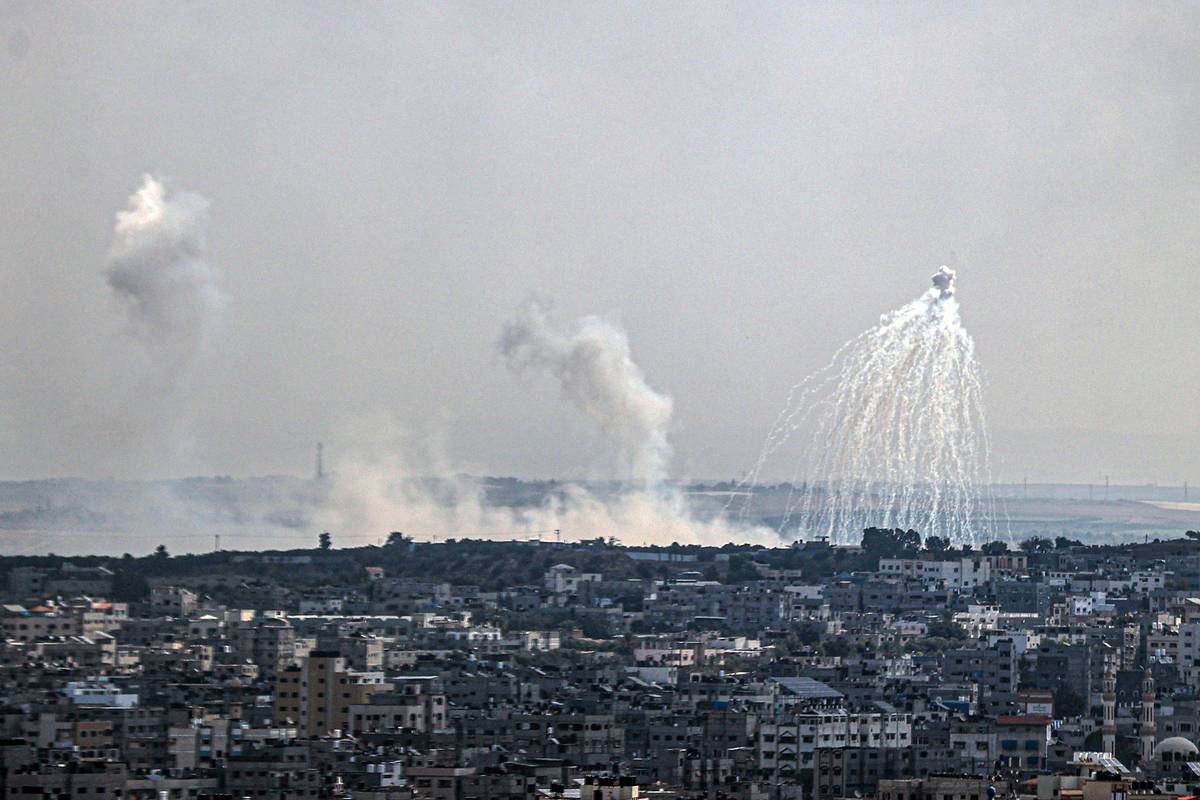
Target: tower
1108 729
1147 731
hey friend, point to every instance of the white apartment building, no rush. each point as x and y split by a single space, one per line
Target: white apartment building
959 573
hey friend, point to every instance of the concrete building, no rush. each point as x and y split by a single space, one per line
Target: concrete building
318 695
268 643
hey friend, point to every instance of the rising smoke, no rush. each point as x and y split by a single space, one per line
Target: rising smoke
596 372
383 479
158 268
387 480
381 487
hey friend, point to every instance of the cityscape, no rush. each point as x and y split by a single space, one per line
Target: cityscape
560 400
898 667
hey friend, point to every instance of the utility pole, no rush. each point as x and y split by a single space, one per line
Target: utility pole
217 542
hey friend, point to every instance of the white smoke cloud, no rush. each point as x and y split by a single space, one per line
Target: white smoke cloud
598 376
158 267
384 481
158 270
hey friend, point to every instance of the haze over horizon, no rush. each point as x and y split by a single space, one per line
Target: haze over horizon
739 190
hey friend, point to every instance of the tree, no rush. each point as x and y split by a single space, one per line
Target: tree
890 542
394 539
1068 702
995 548
742 569
807 632
325 541
161 552
836 647
937 544
1062 543
946 628
129 586
1037 544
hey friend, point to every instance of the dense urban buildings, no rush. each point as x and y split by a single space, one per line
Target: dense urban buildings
488 670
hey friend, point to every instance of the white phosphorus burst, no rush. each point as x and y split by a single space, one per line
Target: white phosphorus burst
898 435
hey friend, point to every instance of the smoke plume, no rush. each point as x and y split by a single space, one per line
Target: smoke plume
598 376
385 479
158 268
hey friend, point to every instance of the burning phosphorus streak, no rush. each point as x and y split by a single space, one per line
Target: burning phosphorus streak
896 432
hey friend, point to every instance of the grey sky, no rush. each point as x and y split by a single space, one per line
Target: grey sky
742 186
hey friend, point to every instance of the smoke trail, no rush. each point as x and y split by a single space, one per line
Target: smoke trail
897 431
158 268
598 376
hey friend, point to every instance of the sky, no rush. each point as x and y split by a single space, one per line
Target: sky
740 187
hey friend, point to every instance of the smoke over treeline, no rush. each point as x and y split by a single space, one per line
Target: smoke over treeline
383 477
